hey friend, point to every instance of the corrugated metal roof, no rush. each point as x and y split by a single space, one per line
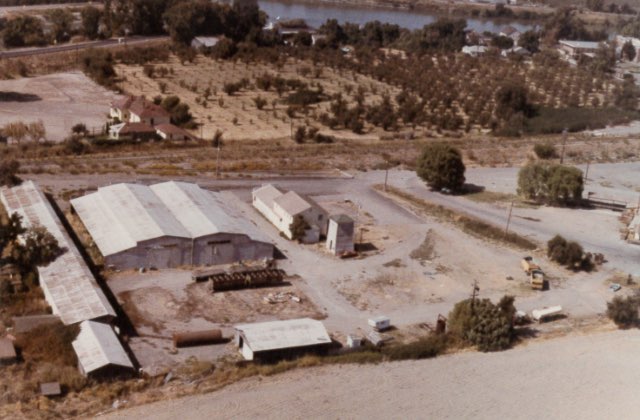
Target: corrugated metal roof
68 284
263 336
587 45
203 212
97 346
292 203
120 216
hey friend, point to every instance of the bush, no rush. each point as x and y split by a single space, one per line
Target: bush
569 254
545 150
623 311
441 166
8 173
551 183
98 64
50 343
298 228
424 348
483 324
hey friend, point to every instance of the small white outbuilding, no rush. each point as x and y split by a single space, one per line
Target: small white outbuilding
275 340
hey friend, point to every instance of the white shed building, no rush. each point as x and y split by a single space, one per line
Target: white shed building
168 225
281 209
100 352
69 286
340 234
281 339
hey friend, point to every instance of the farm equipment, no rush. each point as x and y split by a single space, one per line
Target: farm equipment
536 275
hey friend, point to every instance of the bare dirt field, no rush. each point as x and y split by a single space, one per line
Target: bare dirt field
160 303
59 100
571 377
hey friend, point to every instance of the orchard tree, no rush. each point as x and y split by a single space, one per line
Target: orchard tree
628 51
440 165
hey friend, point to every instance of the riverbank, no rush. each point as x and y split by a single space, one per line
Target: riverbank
441 8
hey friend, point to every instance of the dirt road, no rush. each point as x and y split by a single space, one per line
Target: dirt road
571 377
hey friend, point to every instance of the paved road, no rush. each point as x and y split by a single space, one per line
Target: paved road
24 52
10 9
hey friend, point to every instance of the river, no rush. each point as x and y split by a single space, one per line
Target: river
316 14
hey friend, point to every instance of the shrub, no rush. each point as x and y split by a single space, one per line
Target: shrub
483 324
8 173
300 134
569 254
424 348
623 311
259 101
298 228
441 166
550 183
545 150
50 343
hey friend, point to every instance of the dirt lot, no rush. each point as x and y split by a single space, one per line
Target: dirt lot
160 303
60 100
573 377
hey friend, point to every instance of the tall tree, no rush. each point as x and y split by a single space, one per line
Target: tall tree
91 21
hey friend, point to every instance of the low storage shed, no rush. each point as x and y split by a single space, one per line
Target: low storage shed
100 353
340 234
270 341
7 351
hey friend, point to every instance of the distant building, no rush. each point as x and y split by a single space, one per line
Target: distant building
138 109
474 50
68 285
340 234
574 49
510 32
7 352
281 209
269 341
172 133
202 42
135 131
166 225
100 352
515 51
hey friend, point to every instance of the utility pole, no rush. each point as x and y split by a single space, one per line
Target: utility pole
218 161
386 176
474 292
506 229
564 141
586 173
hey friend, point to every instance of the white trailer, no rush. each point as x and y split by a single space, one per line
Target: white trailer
540 315
380 323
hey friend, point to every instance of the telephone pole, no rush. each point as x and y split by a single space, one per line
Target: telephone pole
506 229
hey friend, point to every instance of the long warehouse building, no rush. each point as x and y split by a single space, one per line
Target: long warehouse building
69 286
167 225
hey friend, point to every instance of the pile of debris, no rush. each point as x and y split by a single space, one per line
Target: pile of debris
281 297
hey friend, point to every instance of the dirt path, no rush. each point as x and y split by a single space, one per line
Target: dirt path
571 377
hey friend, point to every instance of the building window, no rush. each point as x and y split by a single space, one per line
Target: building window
219 242
319 217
